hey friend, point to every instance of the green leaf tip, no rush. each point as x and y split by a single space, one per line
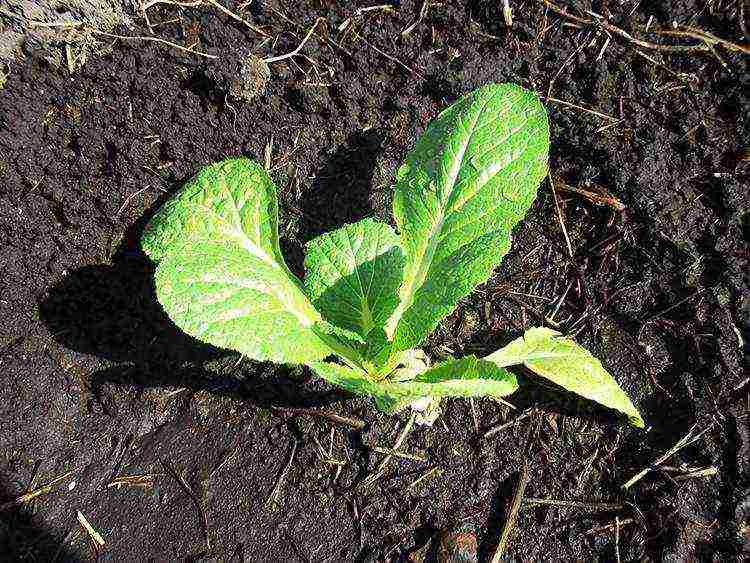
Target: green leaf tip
562 361
464 377
209 197
471 177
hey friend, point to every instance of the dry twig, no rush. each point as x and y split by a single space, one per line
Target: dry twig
686 440
396 453
235 17
333 417
299 47
93 534
195 4
422 13
560 218
708 38
503 426
180 480
154 40
512 516
146 481
424 477
39 491
397 444
587 110
507 13
390 57
606 527
599 199
274 496
573 504
598 21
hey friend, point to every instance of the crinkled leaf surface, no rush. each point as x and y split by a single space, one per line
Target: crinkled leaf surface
569 365
220 273
471 177
353 275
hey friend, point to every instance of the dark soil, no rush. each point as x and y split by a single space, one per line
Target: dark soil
97 382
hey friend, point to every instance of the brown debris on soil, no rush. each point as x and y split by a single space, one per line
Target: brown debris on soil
252 79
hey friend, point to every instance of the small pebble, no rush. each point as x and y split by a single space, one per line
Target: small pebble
252 80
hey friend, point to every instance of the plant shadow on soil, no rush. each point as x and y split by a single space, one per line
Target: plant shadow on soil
340 193
111 310
23 539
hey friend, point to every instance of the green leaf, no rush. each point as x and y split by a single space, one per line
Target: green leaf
467 377
567 364
471 177
376 352
464 377
353 274
220 273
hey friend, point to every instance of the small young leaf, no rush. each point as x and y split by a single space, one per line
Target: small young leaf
353 274
565 363
377 351
471 177
465 377
220 274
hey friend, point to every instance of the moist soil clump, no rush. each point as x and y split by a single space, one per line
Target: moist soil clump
171 449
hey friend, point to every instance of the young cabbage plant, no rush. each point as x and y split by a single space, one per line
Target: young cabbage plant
372 295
